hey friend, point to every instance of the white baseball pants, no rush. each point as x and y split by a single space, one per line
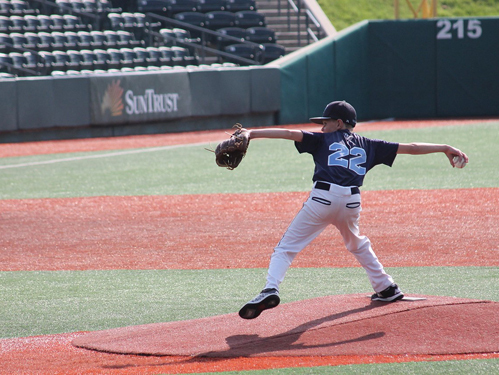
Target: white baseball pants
338 207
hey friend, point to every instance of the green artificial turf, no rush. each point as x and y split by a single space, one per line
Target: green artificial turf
271 165
37 303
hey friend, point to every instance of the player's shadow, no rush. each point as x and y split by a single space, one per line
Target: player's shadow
251 345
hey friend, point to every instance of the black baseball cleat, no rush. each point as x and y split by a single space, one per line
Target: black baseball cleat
390 294
267 299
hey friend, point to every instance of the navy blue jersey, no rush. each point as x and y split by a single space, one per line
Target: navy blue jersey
343 158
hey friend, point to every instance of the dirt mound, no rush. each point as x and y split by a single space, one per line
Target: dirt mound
326 326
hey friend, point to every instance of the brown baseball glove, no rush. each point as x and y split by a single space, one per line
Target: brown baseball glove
230 153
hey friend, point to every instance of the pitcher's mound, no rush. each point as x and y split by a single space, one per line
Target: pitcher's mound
325 326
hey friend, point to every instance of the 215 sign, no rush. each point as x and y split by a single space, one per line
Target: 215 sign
459 29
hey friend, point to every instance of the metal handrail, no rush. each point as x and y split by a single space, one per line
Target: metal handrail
296 8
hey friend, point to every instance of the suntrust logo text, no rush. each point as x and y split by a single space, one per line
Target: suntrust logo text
150 102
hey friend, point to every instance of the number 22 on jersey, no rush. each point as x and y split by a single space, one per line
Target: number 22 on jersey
340 152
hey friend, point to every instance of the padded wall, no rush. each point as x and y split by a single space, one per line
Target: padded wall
265 89
467 64
144 99
72 101
8 105
401 69
404 69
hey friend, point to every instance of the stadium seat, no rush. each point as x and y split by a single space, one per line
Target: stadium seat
5 24
182 56
6 43
183 35
167 55
19 40
129 57
73 23
260 34
98 39
181 6
248 18
154 6
77 5
19 61
243 50
60 41
18 24
220 19
115 58
61 61
116 21
75 60
84 40
141 55
127 39
47 59
33 60
235 32
206 6
45 23
88 59
91 6
5 8
46 41
240 5
32 41
272 52
192 18
169 37
133 23
112 38
58 22
21 8
72 40
6 64
4 75
101 59
63 6
32 23
154 56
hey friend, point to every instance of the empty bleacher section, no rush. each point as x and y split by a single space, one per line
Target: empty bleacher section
54 37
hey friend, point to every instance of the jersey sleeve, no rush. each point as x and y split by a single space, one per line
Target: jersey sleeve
385 152
310 142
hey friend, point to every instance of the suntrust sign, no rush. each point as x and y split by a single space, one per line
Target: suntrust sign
140 98
150 102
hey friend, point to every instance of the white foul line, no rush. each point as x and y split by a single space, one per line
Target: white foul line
119 153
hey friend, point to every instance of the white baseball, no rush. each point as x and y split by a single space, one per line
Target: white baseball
459 162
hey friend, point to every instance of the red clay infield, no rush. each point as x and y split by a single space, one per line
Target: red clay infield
155 233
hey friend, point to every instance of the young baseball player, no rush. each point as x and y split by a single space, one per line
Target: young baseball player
342 159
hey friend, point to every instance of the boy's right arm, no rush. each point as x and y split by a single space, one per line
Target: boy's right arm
291 134
430 148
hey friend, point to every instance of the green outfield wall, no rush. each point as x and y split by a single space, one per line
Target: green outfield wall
402 69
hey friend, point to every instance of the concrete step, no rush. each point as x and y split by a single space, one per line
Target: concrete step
289 32
292 27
